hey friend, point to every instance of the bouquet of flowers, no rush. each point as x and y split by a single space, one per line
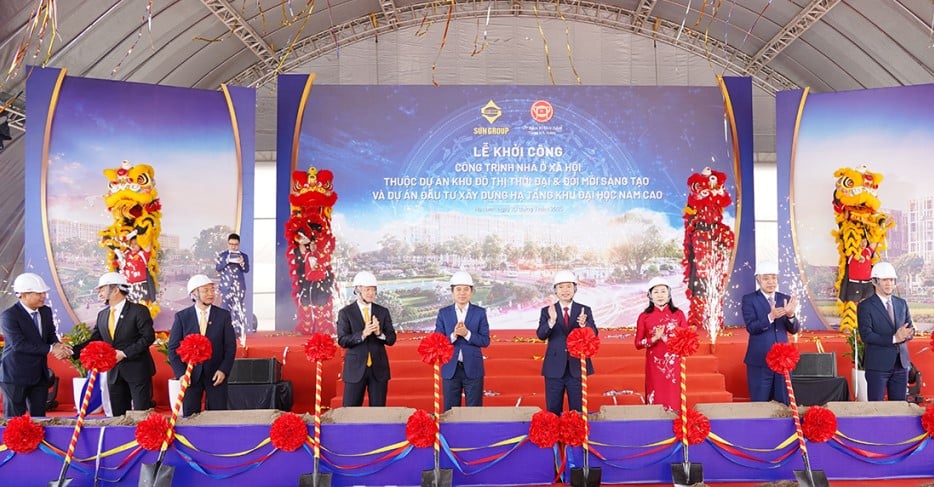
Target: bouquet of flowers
162 343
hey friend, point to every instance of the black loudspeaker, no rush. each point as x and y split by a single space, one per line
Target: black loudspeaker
255 371
816 365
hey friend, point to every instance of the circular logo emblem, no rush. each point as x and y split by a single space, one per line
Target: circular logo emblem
542 111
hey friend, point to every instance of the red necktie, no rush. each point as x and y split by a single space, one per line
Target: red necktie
567 318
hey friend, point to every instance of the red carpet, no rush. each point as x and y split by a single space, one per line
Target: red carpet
715 374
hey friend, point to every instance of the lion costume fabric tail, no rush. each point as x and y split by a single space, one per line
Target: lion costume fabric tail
310 247
132 240
860 236
708 246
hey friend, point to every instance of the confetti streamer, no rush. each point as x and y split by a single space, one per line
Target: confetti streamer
444 39
541 32
683 20
567 38
482 47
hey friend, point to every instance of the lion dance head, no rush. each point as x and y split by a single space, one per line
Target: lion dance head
311 245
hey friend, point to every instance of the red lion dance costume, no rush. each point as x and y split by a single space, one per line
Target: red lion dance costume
311 244
860 236
132 240
708 245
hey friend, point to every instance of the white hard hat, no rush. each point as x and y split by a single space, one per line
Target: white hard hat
883 270
658 281
29 283
767 267
364 278
197 281
564 276
461 278
112 279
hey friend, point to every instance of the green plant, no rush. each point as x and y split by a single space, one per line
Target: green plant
856 349
79 334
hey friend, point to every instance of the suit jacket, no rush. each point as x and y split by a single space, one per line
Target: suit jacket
25 352
133 334
557 356
762 334
876 329
350 336
479 338
219 331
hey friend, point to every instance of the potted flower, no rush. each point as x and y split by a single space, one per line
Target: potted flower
857 349
100 396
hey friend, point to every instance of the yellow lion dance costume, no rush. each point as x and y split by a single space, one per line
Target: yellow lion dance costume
132 240
860 236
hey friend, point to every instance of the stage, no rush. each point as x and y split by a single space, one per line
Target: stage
631 443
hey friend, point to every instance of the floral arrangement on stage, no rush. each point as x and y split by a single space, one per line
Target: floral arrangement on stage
22 434
708 249
860 236
162 343
79 334
133 202
310 246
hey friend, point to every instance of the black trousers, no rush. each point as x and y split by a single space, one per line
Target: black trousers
17 398
376 390
136 395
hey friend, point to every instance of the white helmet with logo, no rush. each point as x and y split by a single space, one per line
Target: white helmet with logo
197 281
564 276
461 278
658 281
113 279
883 270
767 267
364 278
29 283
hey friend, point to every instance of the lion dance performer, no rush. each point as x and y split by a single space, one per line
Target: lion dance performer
708 246
311 245
132 240
860 235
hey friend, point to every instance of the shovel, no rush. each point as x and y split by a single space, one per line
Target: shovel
315 479
79 424
437 477
157 474
687 473
810 478
586 476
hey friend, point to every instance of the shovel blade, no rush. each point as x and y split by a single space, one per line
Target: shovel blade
591 479
308 480
156 475
437 478
819 477
63 483
693 474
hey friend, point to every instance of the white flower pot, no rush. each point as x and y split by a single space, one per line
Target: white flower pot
175 386
859 385
100 397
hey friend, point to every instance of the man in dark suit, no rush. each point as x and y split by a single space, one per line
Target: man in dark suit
466 325
208 379
562 371
769 316
128 328
29 335
365 329
885 326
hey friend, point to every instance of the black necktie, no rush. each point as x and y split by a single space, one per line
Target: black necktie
35 319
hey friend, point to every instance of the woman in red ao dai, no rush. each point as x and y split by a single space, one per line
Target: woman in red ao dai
655 326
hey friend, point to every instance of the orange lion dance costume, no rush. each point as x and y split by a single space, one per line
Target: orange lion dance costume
311 244
132 240
708 246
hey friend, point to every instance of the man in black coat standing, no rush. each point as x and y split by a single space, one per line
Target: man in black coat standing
128 328
208 379
29 335
365 329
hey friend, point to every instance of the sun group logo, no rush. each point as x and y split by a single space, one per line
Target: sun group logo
542 111
491 112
